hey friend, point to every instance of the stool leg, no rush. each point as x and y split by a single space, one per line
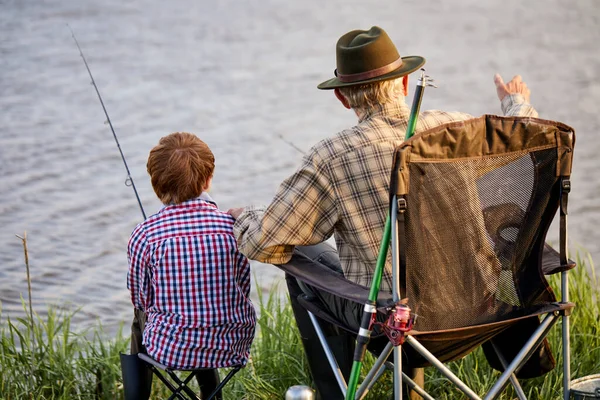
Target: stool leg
230 375
183 385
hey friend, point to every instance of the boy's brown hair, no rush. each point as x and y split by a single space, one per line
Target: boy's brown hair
180 167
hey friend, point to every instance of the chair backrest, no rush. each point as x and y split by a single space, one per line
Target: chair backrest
480 196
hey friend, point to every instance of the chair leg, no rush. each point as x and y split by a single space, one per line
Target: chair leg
412 385
330 357
414 343
513 378
566 339
534 341
341 346
375 372
167 383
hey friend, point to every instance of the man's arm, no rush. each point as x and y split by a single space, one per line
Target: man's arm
303 212
514 97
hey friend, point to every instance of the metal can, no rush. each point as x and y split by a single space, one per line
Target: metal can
299 392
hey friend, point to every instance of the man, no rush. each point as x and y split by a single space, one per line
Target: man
341 188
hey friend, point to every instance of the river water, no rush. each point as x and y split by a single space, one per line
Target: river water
238 74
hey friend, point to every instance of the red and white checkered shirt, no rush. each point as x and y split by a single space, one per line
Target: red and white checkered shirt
186 273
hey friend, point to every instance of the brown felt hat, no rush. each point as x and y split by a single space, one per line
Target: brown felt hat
369 56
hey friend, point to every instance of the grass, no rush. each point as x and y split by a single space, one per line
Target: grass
41 357
58 363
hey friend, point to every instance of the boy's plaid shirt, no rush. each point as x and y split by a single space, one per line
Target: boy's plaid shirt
341 189
186 273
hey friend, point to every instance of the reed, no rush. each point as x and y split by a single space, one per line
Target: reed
85 365
68 364
26 256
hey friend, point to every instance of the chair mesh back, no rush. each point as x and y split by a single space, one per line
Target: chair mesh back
475 227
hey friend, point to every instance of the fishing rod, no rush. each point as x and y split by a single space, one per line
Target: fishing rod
424 80
129 180
370 309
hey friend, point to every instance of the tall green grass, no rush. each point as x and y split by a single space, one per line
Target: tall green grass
62 364
44 358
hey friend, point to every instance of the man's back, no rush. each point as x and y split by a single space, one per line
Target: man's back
357 162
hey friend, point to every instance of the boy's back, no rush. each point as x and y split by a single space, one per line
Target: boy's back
196 288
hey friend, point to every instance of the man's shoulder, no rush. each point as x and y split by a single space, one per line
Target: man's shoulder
341 143
433 118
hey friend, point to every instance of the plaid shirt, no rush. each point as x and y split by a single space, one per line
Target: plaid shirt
186 273
341 189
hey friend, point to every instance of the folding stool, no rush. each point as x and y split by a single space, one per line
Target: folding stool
179 386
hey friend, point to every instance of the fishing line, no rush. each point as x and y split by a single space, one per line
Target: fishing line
291 144
129 180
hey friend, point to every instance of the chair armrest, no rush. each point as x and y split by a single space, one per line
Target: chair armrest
551 261
316 274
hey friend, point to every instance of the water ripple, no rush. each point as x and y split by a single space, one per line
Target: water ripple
238 74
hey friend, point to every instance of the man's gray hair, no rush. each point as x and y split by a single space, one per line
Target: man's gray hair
363 97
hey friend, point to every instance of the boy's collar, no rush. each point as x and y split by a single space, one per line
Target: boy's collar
206 197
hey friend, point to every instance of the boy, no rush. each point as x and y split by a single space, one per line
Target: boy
186 275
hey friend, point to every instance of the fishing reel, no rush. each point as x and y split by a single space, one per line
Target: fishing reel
399 321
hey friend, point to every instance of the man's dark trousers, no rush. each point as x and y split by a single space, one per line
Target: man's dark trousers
340 341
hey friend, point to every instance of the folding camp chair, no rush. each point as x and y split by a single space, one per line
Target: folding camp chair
137 381
470 206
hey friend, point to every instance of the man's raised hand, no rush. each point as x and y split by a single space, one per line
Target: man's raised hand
516 85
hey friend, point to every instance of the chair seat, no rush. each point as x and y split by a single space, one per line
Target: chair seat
150 360
448 344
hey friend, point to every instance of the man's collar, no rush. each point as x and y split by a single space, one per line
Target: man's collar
398 107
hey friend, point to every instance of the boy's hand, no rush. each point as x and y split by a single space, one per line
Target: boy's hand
235 212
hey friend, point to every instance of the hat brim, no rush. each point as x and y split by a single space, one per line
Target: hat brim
409 65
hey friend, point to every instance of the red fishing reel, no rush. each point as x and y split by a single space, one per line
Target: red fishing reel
399 321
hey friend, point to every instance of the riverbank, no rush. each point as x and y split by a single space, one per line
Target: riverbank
45 358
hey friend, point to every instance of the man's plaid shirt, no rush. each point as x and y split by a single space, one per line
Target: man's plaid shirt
187 275
341 189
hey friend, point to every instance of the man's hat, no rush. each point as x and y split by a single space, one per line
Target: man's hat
369 56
